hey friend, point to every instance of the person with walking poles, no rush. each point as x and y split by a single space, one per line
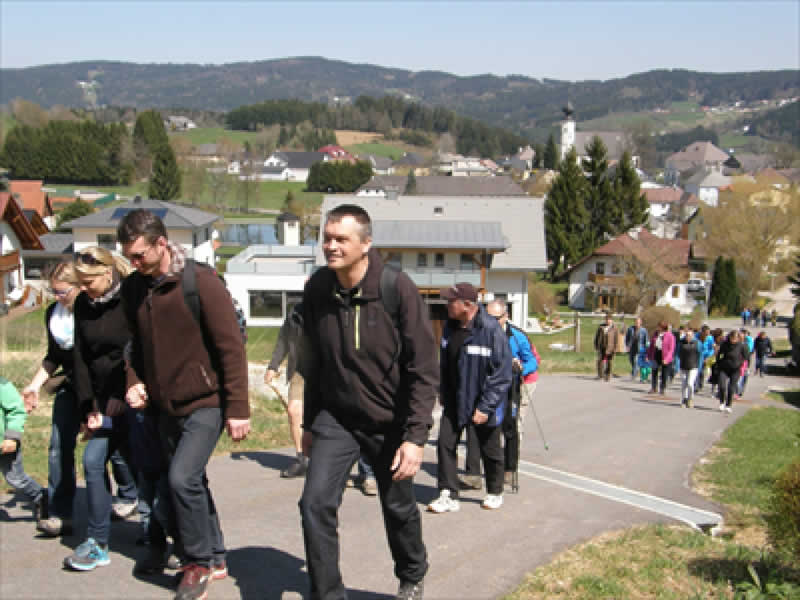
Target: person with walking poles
288 347
370 388
635 339
192 370
731 355
605 344
660 354
476 369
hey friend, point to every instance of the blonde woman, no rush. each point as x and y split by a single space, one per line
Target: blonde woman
55 514
101 333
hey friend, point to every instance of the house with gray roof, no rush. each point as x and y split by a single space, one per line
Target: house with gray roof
442 185
697 155
706 184
381 165
190 227
294 166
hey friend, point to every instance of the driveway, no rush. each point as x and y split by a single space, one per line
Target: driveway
613 432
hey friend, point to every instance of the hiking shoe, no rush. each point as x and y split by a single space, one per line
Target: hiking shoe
369 487
40 507
492 501
410 591
296 469
194 583
122 510
54 526
219 569
153 563
470 482
721 408
88 556
444 503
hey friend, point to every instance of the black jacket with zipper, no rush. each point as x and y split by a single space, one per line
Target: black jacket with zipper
369 374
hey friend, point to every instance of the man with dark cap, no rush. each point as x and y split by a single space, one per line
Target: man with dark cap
475 367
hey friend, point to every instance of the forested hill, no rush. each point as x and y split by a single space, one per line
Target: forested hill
515 102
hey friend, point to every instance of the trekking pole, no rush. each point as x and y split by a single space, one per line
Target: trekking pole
538 424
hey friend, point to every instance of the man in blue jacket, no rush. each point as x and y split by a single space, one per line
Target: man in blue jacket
635 339
475 366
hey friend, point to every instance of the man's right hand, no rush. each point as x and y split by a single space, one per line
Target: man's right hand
136 396
307 441
269 375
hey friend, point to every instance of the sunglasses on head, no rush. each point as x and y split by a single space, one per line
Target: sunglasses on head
88 259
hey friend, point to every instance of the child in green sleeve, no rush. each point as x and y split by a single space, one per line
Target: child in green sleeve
12 421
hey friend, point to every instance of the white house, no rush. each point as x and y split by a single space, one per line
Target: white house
189 227
706 184
696 155
290 166
16 234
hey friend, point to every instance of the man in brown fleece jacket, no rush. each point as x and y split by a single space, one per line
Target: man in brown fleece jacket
193 375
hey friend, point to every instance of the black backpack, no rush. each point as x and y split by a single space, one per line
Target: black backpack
190 295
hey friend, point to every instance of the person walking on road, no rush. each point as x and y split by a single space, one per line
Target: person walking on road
763 349
635 339
731 355
660 354
370 388
192 371
689 361
476 369
605 344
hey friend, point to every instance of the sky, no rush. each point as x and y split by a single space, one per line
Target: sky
561 40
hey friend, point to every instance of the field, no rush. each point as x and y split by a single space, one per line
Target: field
346 137
212 135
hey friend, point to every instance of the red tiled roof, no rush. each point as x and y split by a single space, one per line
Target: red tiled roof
667 195
11 213
29 195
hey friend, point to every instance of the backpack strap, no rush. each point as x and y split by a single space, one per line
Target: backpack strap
391 304
190 295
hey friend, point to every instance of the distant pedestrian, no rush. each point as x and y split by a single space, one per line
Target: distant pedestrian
636 342
660 355
706 343
763 349
745 316
605 344
689 360
774 317
764 317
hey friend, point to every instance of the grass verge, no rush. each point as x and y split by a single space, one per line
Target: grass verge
674 562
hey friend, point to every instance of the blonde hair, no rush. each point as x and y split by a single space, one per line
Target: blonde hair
104 258
63 272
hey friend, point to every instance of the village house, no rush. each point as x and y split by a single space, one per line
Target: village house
442 185
283 165
16 234
696 156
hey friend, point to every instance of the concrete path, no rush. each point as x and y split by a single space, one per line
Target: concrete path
612 432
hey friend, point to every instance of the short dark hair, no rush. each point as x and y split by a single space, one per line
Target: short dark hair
138 223
360 215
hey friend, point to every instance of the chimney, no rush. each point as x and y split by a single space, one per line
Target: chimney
288 229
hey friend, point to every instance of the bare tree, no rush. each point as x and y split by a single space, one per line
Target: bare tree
219 182
194 183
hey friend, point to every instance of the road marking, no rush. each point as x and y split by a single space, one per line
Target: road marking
697 518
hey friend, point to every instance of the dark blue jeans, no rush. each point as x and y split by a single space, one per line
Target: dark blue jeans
188 444
97 453
125 477
333 452
61 453
13 470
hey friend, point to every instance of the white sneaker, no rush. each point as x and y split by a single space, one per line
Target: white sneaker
728 409
721 408
444 503
492 501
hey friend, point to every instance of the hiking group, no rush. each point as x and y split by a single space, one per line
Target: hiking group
146 360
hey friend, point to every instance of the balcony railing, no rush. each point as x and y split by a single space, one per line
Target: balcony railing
9 262
607 279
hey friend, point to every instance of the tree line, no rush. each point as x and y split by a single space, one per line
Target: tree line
379 115
588 203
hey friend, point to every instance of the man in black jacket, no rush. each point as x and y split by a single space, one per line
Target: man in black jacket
370 386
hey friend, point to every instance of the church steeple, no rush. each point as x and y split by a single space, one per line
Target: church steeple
567 130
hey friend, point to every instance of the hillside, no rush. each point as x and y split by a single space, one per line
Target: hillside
519 103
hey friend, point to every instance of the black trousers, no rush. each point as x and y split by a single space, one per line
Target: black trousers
188 444
334 450
491 452
666 372
728 381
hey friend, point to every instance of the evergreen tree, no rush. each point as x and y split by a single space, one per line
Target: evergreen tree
600 203
733 295
283 137
411 184
550 158
718 298
76 209
538 155
566 218
632 202
149 130
796 279
165 182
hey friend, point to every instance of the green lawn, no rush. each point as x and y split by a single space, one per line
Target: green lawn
377 148
675 562
212 135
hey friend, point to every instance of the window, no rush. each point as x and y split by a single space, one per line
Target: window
266 304
292 298
616 269
422 259
438 259
466 263
107 241
676 291
208 233
194 240
438 210
600 268
395 260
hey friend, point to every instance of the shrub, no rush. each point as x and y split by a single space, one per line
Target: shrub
541 298
653 315
783 524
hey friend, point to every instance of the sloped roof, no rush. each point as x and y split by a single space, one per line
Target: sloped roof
39 226
411 158
175 215
29 194
665 195
521 219
378 162
695 154
709 179
11 213
444 185
301 160
53 244
438 234
614 141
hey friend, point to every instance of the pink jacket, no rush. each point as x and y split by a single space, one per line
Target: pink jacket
667 347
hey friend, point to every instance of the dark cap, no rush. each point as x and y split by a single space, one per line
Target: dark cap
460 291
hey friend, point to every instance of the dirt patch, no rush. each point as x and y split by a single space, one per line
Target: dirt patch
346 137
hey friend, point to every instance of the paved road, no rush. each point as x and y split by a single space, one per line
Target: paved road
611 432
